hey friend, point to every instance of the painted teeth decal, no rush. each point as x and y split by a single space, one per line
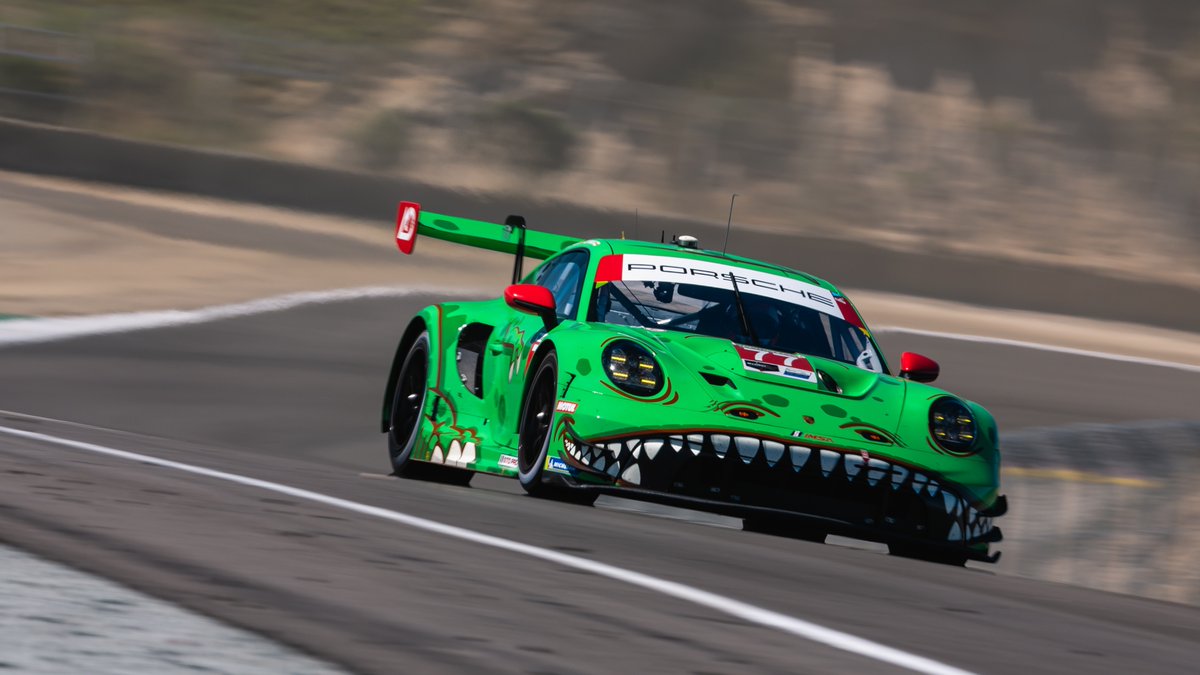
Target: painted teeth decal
876 470
622 459
773 451
632 475
799 456
829 460
720 444
747 448
854 464
919 481
951 503
458 454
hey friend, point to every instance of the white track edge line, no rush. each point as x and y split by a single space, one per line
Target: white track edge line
742 610
963 337
47 329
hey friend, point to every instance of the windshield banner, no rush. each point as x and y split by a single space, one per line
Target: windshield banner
638 267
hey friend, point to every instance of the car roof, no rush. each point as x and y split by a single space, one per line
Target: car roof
618 246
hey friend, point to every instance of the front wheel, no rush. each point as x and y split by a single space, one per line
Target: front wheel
533 440
408 406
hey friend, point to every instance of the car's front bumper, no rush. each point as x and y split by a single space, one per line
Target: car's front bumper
838 491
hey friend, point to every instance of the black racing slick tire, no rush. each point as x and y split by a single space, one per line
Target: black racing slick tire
534 436
404 424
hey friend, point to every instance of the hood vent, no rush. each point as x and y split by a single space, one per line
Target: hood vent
827 382
718 380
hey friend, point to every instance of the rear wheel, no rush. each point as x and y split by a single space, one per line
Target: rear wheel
408 405
534 435
933 555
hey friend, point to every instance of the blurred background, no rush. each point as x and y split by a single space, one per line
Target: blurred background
1065 132
1036 155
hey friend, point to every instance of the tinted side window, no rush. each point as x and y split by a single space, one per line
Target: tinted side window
564 277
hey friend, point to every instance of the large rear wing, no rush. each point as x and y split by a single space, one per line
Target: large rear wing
509 237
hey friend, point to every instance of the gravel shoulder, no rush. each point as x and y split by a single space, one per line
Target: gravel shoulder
56 619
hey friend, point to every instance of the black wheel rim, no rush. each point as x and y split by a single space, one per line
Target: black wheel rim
406 407
535 427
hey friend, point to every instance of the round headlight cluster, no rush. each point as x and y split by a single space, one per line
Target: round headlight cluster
632 368
952 424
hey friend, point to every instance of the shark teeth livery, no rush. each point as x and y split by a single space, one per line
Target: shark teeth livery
671 373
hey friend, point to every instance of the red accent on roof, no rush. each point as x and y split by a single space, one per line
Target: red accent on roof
609 268
849 314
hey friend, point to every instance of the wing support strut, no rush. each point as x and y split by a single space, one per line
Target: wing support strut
517 223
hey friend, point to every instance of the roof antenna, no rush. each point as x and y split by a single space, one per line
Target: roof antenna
635 223
662 237
728 223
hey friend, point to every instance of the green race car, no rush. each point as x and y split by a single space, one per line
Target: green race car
675 374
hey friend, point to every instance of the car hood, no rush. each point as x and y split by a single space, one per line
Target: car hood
840 398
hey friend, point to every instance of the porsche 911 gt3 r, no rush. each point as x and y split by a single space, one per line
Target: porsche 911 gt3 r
671 373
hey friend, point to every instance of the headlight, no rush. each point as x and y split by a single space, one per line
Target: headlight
952 424
632 368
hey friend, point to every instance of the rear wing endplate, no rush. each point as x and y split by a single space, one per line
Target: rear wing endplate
511 237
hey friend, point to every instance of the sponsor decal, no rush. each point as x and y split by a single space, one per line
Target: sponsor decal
785 365
640 267
815 437
406 226
566 407
508 462
557 465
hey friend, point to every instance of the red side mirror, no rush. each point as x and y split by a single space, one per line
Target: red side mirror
532 299
918 368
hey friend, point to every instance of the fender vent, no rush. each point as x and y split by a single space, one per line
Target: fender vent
469 356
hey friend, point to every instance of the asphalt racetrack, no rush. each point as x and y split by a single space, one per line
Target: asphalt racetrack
292 397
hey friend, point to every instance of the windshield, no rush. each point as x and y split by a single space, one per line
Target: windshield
783 314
